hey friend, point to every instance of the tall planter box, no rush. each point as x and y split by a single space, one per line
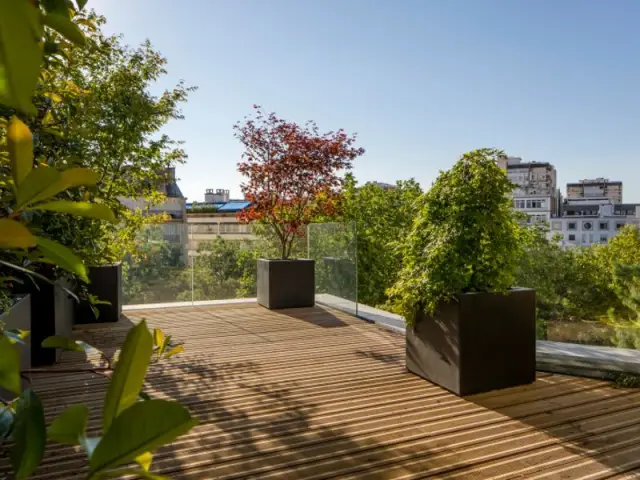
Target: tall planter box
286 283
19 317
106 284
52 313
482 342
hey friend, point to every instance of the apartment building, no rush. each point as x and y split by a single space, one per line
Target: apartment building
595 220
535 191
596 188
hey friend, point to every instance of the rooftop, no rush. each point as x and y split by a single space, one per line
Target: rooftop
315 393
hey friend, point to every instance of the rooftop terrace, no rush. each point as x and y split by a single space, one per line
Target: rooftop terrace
316 393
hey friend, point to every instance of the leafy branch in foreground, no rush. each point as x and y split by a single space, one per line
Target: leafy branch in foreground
134 425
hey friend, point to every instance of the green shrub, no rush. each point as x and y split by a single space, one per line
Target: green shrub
465 238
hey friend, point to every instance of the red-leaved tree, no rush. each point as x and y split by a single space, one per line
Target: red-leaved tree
292 173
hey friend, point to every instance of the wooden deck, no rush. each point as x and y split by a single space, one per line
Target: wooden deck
313 393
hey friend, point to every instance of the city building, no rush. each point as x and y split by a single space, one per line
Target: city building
383 185
216 216
174 206
535 192
596 188
595 220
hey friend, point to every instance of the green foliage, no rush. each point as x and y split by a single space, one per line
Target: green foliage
464 239
28 435
70 426
383 219
9 365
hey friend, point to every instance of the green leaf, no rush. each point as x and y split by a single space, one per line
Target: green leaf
39 180
144 460
72 177
14 234
81 209
69 427
81 4
174 351
58 6
143 397
137 473
128 377
9 365
142 427
62 257
16 336
66 343
65 27
7 417
29 435
20 54
20 146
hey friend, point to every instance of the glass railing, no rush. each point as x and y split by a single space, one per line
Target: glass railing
176 262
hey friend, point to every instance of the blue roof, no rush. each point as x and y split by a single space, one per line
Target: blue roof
229 207
233 206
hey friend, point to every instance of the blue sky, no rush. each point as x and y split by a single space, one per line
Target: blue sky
421 81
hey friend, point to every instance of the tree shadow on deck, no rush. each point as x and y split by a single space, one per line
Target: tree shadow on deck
590 418
317 315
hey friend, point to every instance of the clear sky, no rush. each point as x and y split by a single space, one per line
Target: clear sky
420 81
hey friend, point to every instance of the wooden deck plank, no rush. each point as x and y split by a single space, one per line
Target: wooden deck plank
314 394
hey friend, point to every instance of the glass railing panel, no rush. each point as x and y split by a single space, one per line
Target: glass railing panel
158 269
333 247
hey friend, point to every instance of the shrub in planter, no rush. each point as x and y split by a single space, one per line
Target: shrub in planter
468 329
292 174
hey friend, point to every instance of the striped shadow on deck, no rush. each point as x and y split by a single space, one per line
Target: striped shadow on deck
317 394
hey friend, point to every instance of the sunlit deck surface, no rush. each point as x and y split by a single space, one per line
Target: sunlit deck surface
313 393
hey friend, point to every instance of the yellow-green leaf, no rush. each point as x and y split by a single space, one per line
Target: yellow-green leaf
20 53
128 377
14 234
81 209
158 337
142 427
16 335
33 186
53 96
69 427
9 365
72 177
66 343
144 460
57 6
29 435
174 351
65 27
20 145
62 257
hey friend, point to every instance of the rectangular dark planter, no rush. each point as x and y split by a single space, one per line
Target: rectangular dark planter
51 313
19 317
482 342
106 284
286 283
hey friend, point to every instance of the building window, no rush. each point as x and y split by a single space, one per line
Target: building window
556 225
572 238
571 226
604 225
603 239
619 225
587 226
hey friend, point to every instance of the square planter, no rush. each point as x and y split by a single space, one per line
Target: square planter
19 317
106 284
52 313
286 283
482 342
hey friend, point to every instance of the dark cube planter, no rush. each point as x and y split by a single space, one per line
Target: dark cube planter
106 284
19 317
52 312
286 283
482 342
